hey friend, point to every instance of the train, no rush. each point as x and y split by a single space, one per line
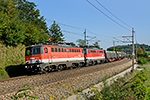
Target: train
47 57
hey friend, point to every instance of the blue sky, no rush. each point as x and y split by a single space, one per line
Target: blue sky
74 16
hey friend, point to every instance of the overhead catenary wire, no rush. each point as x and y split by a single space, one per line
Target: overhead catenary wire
71 32
113 14
102 37
107 16
79 28
97 34
74 27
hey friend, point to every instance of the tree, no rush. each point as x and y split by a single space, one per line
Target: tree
112 48
56 33
141 52
80 42
20 22
12 29
96 45
35 24
13 32
29 12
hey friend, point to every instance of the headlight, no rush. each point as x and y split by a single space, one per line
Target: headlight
26 66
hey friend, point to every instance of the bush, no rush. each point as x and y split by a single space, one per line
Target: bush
3 73
141 60
133 89
22 93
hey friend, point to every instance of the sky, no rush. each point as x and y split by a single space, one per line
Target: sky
74 16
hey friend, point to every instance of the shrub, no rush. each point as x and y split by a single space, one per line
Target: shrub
141 60
133 89
3 73
21 93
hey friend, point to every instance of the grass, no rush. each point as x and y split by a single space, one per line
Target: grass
148 52
147 72
9 58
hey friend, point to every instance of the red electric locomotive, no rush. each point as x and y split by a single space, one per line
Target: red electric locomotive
93 56
46 57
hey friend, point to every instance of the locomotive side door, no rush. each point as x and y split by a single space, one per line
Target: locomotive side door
47 55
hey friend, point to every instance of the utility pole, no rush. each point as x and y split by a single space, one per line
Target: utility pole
85 37
126 39
113 44
133 48
136 49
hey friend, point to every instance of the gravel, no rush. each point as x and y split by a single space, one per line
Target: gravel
61 88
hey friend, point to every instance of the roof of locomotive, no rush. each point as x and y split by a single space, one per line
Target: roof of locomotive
51 44
94 48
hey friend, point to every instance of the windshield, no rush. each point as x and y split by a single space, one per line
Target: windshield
32 51
28 51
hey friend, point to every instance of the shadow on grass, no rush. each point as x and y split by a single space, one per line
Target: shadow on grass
16 70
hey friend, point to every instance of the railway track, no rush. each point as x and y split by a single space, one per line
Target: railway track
13 84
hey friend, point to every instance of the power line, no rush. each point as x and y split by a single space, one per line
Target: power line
79 28
74 27
96 34
113 14
107 15
71 32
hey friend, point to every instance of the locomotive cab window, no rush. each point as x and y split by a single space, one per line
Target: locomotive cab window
28 51
33 51
36 50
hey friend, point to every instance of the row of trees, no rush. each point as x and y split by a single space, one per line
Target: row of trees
20 22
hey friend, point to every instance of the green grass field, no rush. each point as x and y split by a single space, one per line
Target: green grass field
148 52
